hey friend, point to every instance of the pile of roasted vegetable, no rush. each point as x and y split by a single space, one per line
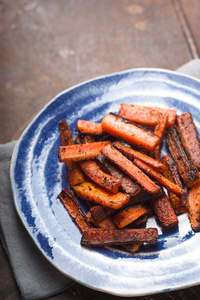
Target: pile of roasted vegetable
115 166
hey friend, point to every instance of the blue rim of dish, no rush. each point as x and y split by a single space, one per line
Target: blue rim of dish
181 78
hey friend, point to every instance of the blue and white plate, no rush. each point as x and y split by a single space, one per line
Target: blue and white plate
173 262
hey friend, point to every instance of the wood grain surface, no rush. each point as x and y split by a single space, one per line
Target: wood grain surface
47 46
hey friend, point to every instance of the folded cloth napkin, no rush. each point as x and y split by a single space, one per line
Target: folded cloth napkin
35 276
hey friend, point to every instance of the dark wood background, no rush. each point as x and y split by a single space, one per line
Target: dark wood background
47 46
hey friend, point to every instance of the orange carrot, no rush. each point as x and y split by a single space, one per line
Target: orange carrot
89 127
159 130
74 209
74 173
106 223
80 152
129 215
179 204
194 207
90 191
160 178
131 133
131 154
129 168
95 173
164 211
146 115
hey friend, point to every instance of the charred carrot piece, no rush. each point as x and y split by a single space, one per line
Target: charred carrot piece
164 212
189 137
134 247
89 127
94 172
100 212
132 154
92 192
80 152
179 204
128 215
74 209
143 196
129 168
146 115
106 223
129 132
186 168
194 207
105 237
74 173
159 130
160 178
128 186
85 139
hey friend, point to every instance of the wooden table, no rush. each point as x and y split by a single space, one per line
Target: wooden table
47 46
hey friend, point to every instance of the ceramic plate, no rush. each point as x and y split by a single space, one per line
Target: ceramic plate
173 262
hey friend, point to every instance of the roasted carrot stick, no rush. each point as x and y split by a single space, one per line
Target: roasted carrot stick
129 215
134 247
179 204
80 152
74 209
159 177
129 168
89 127
85 139
146 115
131 154
164 212
159 130
189 137
92 192
106 223
94 172
100 212
128 186
74 173
194 207
186 168
104 237
129 132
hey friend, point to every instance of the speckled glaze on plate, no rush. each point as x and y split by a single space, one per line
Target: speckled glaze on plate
173 262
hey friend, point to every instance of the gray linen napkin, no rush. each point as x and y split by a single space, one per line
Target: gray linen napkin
35 276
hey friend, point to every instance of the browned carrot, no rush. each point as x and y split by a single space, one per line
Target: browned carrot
179 204
94 172
74 209
129 215
129 168
186 168
134 247
146 115
160 178
164 212
80 152
159 130
106 223
194 207
131 154
105 237
128 186
131 133
89 127
74 173
85 139
189 137
100 212
92 192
